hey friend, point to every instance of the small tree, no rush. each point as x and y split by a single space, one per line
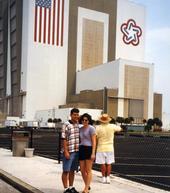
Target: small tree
120 120
59 120
97 122
55 120
127 120
144 121
147 128
124 128
50 120
131 120
149 125
112 120
157 124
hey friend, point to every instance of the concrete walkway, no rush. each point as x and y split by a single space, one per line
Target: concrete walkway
38 174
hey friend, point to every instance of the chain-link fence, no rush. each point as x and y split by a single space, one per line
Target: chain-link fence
143 157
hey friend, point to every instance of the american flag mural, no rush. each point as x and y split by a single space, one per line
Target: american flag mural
49 22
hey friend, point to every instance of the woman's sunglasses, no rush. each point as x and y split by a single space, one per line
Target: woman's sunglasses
85 120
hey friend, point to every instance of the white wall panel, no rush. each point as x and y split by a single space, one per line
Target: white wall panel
44 66
104 75
127 10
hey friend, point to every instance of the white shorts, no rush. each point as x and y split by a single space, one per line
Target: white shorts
105 157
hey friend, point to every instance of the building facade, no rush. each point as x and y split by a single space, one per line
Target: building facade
65 53
10 57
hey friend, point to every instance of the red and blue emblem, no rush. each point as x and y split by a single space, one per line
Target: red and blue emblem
131 32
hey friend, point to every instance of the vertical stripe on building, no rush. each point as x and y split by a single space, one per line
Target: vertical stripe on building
62 23
49 22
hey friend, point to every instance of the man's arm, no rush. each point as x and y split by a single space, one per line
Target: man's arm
65 147
65 143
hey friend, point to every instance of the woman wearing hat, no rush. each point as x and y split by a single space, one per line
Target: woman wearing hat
105 145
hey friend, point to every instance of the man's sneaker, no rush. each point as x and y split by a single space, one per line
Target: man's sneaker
67 190
73 190
103 180
108 180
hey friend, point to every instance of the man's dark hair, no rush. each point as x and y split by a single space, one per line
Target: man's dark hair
74 110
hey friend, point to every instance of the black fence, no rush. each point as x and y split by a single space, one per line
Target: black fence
142 157
46 142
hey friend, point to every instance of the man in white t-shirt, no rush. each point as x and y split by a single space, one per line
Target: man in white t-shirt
105 145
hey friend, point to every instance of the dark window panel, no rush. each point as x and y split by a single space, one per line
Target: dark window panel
12 2
13 24
1 48
1 71
1 93
1 27
14 77
14 64
1 36
15 89
13 51
13 38
13 11
1 59
1 83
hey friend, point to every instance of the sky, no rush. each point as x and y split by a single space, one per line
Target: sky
157 45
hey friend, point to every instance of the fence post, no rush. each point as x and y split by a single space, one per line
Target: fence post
31 142
11 128
59 145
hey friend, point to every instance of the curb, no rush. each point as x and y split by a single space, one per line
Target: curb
17 183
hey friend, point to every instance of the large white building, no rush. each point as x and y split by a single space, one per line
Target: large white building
63 53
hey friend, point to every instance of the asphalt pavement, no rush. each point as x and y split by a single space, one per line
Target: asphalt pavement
38 174
6 188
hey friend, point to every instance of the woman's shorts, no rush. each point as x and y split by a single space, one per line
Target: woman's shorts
85 152
105 158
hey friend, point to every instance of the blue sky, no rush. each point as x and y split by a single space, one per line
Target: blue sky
158 45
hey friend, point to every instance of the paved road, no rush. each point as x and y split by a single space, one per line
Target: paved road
144 159
6 188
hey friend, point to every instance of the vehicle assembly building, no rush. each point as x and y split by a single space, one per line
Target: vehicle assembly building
58 54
